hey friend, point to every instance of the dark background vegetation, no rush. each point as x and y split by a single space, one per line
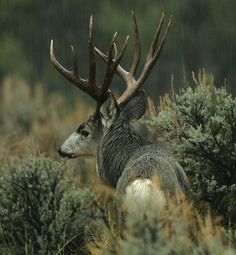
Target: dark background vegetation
203 35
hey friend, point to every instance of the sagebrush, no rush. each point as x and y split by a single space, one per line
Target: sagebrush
199 127
41 212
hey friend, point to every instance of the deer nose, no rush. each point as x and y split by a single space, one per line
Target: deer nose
63 154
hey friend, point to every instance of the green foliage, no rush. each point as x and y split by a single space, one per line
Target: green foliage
199 126
40 210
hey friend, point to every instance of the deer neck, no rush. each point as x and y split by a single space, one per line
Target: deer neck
115 150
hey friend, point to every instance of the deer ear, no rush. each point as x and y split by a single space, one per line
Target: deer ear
109 111
135 108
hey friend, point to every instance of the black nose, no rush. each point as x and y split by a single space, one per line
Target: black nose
63 154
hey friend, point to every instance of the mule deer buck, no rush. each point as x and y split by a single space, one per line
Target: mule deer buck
125 160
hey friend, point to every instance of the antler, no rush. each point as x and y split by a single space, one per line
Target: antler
89 85
153 55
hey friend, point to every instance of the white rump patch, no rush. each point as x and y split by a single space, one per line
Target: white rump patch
142 194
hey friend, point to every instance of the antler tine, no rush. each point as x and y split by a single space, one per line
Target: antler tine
153 56
156 37
158 52
137 47
75 62
109 71
118 59
66 73
92 58
120 71
112 46
72 76
115 49
113 63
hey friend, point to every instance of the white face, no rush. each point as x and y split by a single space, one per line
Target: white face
83 142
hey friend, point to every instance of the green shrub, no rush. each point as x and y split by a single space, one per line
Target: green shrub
40 210
199 126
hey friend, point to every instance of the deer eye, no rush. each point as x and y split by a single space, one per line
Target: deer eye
84 133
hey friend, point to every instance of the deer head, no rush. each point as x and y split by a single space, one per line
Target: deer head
131 105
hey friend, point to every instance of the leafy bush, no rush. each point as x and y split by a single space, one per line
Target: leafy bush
199 126
40 210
